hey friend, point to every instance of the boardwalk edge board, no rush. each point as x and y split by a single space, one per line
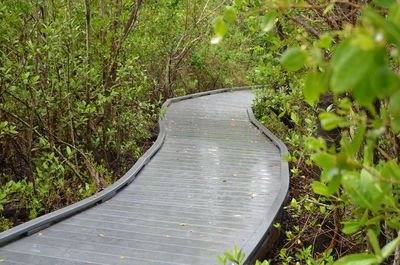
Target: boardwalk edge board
47 220
255 246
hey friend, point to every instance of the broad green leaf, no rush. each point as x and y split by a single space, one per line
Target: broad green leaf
220 27
350 66
316 144
392 31
313 87
325 41
363 93
357 259
230 14
334 184
328 163
293 59
384 82
361 188
390 247
325 160
330 121
320 188
343 159
370 189
268 21
364 40
351 227
391 170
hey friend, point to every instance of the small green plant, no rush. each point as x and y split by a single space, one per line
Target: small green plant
236 256
265 262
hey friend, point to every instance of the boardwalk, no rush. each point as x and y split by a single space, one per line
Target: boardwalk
214 183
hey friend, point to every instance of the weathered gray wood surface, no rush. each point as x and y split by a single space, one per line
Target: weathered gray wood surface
213 184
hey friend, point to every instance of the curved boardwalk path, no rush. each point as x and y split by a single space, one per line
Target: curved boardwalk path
213 184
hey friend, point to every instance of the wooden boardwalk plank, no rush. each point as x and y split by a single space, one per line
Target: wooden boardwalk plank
214 183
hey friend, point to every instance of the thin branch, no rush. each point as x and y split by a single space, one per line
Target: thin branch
306 26
384 154
128 26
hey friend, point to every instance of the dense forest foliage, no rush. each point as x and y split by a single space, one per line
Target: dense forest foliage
81 84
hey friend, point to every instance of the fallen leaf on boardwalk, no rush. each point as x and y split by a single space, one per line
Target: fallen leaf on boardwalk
1 260
101 235
220 231
121 257
183 224
237 215
167 236
277 166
